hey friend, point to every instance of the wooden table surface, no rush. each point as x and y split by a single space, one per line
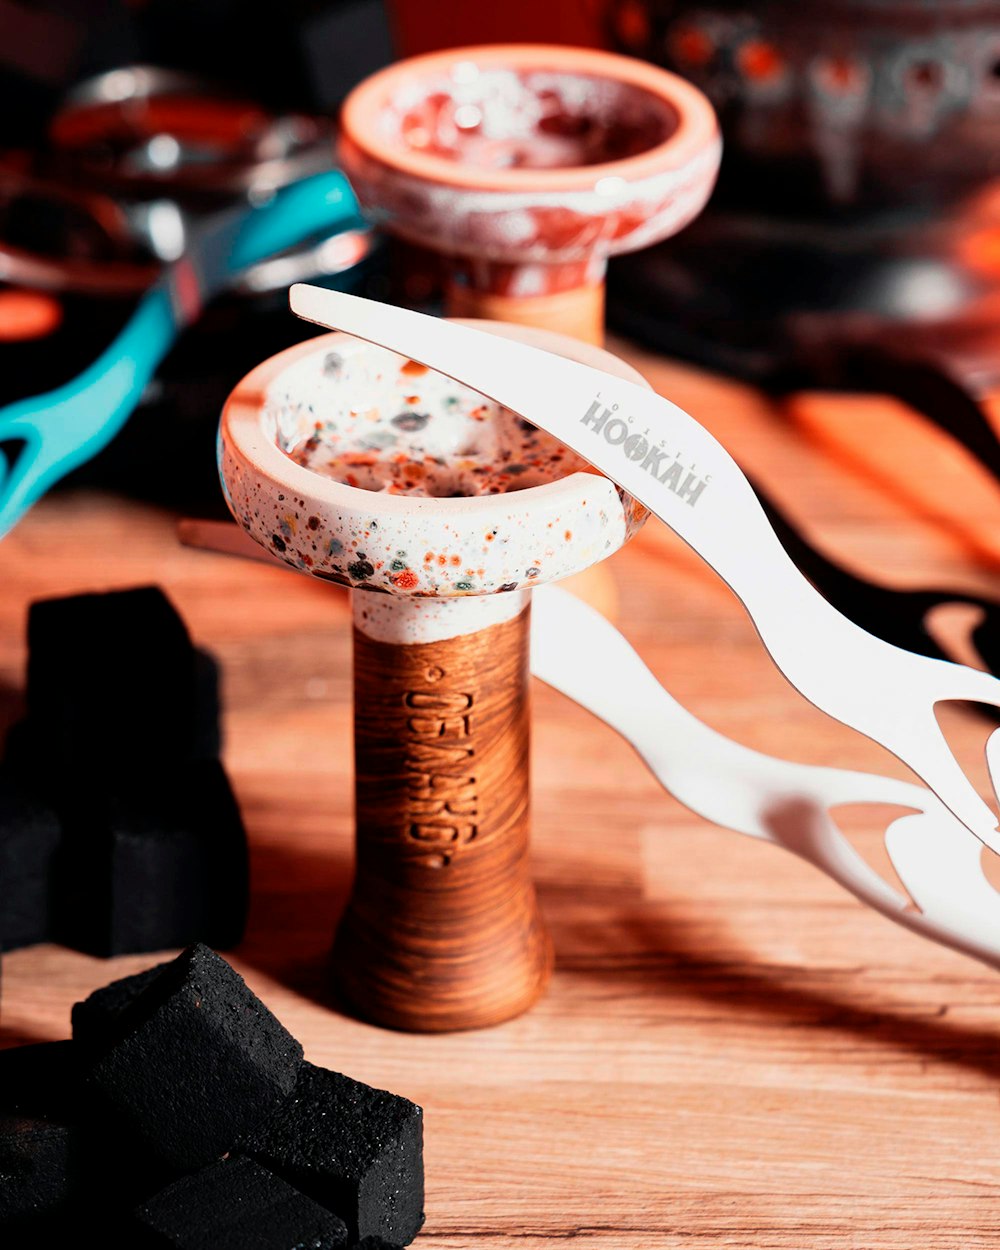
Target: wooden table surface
732 1053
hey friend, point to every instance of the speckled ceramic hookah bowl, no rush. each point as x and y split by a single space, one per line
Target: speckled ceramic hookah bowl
527 167
441 512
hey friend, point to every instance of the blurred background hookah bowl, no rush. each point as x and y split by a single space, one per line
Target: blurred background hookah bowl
526 167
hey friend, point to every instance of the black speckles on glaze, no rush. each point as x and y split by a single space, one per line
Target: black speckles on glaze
456 449
411 421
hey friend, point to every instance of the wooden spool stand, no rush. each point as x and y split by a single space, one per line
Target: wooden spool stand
442 929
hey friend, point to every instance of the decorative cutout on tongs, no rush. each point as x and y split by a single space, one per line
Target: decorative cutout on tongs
900 617
937 859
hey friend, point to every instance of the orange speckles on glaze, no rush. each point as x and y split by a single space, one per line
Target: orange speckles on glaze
412 369
425 442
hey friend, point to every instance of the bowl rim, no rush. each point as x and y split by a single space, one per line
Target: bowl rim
243 437
696 133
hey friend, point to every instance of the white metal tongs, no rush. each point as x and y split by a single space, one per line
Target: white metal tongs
949 898
670 463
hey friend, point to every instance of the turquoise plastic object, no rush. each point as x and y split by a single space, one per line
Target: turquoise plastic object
67 426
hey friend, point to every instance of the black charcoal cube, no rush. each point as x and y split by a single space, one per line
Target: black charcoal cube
208 706
26 747
39 1170
374 1243
42 1079
41 1155
112 675
198 1062
24 752
41 1091
152 861
236 1204
29 840
356 1150
94 1020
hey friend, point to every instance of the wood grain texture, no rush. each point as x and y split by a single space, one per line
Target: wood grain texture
731 1053
442 928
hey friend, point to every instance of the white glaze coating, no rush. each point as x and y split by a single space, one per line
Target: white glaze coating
612 216
408 619
404 544
382 422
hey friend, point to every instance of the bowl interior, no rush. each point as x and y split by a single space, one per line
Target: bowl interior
501 117
368 418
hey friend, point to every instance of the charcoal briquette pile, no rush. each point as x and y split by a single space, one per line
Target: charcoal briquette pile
182 1114
119 831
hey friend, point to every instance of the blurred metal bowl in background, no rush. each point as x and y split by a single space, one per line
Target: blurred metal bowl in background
836 102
